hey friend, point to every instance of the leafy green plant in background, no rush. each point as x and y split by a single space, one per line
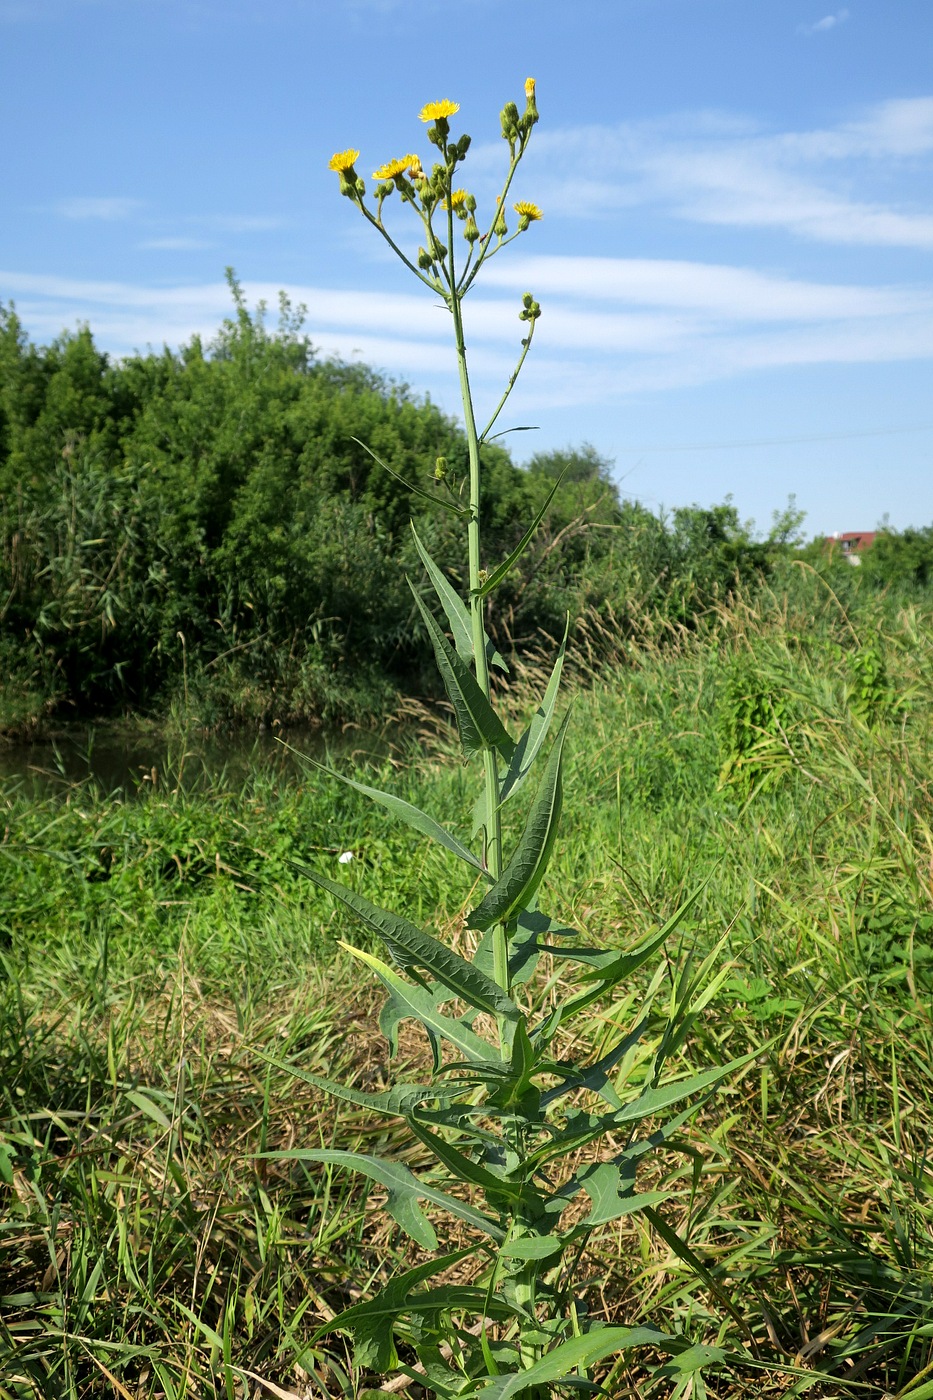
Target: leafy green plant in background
522 1133
752 718
872 698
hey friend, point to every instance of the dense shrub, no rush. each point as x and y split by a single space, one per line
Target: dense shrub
203 526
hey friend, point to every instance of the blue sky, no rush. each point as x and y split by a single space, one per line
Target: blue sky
735 263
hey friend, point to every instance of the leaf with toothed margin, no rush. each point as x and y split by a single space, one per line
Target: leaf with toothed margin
420 949
421 1005
405 1190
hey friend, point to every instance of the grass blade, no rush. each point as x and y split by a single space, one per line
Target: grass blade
529 745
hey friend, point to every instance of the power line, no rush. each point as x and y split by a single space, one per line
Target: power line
778 442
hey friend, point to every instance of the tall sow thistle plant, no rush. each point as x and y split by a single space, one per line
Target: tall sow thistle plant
504 1114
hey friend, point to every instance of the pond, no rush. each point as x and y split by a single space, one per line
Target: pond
130 760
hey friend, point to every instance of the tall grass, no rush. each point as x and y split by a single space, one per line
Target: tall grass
159 954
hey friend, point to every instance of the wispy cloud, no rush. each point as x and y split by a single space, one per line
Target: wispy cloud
716 169
110 208
614 326
826 23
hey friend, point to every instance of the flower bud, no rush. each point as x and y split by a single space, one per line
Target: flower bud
530 115
440 469
471 232
462 146
425 261
509 120
500 228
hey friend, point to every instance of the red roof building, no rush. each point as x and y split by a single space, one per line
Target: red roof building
851 543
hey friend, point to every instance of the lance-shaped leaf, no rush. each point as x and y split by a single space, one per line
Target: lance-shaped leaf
626 963
499 573
458 614
418 1004
405 1191
400 1099
563 1361
474 1172
405 811
435 497
371 1323
398 1298
529 745
583 1128
420 949
606 973
525 871
480 727
595 1077
661 1096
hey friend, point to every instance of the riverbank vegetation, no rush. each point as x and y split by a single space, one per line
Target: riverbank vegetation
168 975
201 534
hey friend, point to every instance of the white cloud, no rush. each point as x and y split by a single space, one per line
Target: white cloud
610 327
826 23
711 169
108 208
723 292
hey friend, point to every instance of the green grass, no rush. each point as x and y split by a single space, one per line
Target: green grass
164 965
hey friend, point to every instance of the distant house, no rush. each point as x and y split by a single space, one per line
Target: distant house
853 543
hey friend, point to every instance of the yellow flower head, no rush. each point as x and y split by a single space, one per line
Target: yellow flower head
457 199
527 211
343 161
529 89
438 111
395 167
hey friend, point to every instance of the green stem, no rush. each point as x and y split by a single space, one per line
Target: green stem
493 821
526 346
